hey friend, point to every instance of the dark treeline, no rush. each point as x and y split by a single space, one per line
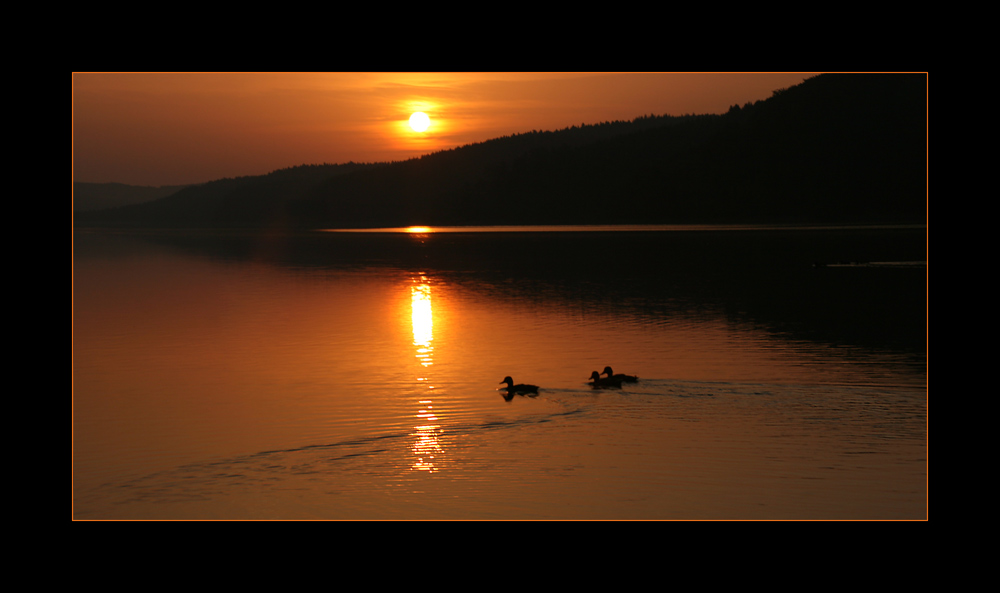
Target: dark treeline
98 196
837 148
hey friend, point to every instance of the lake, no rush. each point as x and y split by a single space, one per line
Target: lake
356 375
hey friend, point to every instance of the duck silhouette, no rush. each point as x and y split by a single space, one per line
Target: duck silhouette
519 389
596 381
619 377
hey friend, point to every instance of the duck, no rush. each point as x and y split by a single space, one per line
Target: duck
519 389
596 381
619 377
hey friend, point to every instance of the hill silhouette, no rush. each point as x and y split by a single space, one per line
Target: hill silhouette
837 148
98 196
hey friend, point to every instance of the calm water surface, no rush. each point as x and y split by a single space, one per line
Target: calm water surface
354 375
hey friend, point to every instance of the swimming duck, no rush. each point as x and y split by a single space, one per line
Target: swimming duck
597 381
620 377
519 389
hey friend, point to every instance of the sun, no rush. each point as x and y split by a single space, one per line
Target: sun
419 121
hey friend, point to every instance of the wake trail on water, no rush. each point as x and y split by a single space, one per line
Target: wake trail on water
205 480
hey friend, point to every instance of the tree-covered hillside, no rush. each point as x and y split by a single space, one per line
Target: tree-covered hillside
836 148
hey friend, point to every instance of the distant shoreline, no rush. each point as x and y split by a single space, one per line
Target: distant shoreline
501 229
549 228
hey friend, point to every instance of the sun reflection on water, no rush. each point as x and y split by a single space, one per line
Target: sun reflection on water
423 321
426 446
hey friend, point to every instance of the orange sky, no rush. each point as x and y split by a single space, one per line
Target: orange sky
176 128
